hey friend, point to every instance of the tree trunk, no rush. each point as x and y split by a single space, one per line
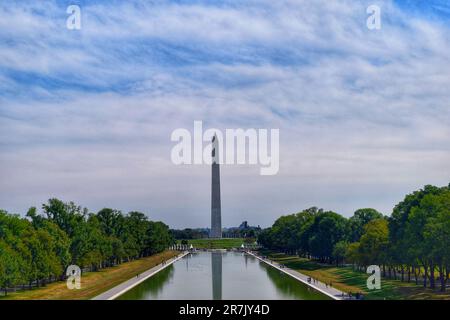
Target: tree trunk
442 277
416 275
447 268
409 274
432 285
425 276
403 273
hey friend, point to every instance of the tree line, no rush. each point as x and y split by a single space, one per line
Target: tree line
189 233
412 244
37 249
243 231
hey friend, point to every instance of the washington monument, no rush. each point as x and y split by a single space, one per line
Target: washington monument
216 215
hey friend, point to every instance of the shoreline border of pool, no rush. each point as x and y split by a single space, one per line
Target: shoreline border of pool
292 274
120 289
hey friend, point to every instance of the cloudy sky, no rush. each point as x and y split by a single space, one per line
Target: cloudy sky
86 115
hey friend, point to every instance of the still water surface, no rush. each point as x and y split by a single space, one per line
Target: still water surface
220 276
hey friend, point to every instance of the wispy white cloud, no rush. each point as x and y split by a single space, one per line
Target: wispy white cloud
87 115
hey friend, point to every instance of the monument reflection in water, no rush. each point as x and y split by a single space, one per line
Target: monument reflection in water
216 274
216 268
220 276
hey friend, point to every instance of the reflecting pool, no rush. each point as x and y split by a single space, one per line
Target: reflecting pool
221 276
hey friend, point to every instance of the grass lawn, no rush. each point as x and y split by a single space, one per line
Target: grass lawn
225 243
93 283
348 280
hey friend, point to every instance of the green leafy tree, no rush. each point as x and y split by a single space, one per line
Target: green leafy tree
328 229
339 251
65 215
359 219
352 254
37 249
406 233
58 239
374 242
10 267
111 221
158 237
430 223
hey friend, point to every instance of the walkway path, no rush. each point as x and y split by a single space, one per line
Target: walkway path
117 291
319 286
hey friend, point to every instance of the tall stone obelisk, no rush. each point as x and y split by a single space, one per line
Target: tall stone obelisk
216 215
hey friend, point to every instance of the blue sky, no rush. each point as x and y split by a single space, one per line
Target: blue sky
86 115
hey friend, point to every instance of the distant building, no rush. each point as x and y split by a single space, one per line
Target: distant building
243 231
243 225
